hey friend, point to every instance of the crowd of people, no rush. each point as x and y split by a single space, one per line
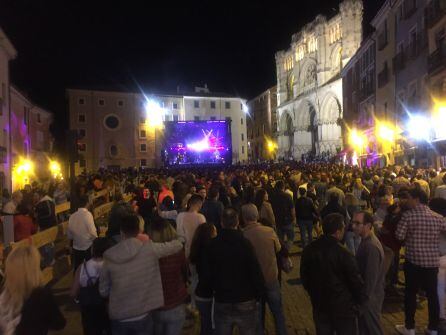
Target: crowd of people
214 244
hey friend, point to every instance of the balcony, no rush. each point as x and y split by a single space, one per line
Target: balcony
437 60
383 77
399 62
434 12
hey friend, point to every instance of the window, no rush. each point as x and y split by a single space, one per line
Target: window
213 118
175 118
81 133
142 119
120 103
81 118
113 150
243 149
143 162
101 102
82 163
81 101
38 118
213 104
175 105
228 118
111 122
227 105
241 121
82 147
196 118
243 137
196 104
143 147
142 133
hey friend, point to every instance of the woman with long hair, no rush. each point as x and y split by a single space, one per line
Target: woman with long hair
266 213
203 294
26 306
169 319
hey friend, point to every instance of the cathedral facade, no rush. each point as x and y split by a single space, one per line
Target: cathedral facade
309 84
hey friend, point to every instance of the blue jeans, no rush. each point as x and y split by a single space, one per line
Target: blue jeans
244 315
169 322
288 232
205 309
140 327
273 298
306 231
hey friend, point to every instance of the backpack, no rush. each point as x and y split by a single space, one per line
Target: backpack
89 295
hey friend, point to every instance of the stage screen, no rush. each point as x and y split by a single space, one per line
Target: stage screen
197 142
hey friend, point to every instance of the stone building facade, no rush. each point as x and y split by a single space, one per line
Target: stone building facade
30 132
114 133
309 84
262 125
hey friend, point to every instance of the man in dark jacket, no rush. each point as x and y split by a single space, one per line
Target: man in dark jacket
284 213
234 274
213 208
305 215
331 277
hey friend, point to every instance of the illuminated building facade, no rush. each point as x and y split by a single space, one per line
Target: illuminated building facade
359 96
436 31
30 132
7 53
262 125
116 129
309 84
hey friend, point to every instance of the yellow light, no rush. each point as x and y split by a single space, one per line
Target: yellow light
386 133
271 145
55 169
356 139
154 114
22 173
439 120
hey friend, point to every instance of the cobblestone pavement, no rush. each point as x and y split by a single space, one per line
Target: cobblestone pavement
297 308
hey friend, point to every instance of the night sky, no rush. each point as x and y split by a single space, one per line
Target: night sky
229 45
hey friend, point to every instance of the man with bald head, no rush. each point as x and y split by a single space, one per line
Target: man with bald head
266 244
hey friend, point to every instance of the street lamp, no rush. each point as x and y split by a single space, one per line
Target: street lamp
55 169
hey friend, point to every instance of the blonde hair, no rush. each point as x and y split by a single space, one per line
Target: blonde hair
22 276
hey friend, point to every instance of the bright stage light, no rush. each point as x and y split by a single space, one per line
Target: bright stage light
154 113
419 127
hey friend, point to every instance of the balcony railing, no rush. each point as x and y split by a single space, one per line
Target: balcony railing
383 77
434 12
437 60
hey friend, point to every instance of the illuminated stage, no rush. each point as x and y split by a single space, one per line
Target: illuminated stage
197 143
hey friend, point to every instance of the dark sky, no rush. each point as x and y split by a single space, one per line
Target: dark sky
229 45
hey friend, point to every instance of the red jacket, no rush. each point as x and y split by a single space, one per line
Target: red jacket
24 227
